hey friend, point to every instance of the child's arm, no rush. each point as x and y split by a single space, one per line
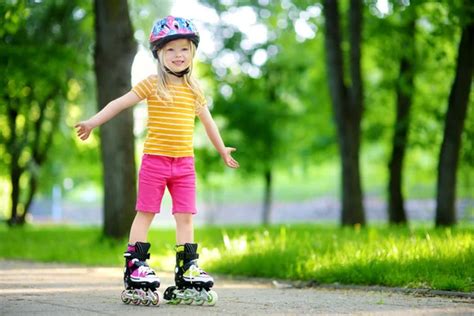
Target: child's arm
113 108
216 139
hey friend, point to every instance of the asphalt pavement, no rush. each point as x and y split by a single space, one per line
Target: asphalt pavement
54 289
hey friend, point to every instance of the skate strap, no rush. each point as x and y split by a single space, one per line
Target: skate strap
136 255
184 259
186 256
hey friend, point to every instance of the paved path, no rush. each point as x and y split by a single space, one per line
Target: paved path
52 289
223 213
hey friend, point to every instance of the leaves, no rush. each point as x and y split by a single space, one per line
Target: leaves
42 48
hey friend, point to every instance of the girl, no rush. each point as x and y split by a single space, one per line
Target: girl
174 99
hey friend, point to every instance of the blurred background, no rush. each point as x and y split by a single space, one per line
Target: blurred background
339 110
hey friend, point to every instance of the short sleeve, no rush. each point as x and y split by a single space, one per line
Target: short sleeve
201 103
144 88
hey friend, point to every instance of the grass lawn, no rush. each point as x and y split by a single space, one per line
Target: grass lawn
417 257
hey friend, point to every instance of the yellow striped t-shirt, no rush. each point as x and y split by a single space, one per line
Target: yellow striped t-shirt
170 124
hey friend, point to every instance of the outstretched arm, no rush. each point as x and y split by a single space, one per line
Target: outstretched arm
216 139
113 108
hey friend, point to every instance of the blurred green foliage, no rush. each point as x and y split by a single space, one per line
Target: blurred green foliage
293 129
274 109
45 67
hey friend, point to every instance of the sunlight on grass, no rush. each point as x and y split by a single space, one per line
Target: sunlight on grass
418 257
436 259
237 245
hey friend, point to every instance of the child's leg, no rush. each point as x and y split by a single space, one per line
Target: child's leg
184 228
191 282
140 226
139 279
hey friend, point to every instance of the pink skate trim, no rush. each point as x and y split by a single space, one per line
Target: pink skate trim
141 271
137 274
130 248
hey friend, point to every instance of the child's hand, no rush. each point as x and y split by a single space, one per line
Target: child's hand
84 129
228 160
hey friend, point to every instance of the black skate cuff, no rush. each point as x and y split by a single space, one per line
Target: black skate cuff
136 255
185 254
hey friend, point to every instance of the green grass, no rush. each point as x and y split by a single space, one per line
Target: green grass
419 257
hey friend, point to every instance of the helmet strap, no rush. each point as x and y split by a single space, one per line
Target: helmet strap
177 74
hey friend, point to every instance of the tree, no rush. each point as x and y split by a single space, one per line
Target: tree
347 103
404 92
42 45
256 117
262 103
457 108
113 56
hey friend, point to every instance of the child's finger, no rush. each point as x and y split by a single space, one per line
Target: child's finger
232 163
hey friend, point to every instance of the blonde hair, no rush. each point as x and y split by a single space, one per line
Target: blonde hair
162 83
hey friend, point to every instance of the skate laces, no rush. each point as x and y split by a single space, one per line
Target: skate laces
142 268
194 271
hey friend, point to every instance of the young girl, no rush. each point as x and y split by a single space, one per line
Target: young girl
174 99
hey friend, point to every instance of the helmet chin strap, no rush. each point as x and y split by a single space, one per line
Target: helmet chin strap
177 74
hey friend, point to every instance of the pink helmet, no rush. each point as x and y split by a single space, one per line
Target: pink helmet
171 28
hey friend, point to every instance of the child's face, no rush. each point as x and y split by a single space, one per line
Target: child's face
177 54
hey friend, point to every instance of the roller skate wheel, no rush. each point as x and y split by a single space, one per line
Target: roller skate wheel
199 301
188 297
212 298
174 301
170 295
156 298
125 297
137 297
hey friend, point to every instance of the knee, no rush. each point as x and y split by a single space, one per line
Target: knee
184 219
144 216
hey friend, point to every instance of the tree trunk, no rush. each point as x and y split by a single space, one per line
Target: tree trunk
15 146
40 149
347 104
404 90
15 173
267 199
454 124
33 186
114 52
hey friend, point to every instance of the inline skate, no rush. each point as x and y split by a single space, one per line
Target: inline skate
140 281
192 284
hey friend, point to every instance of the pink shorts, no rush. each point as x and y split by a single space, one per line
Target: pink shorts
158 172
